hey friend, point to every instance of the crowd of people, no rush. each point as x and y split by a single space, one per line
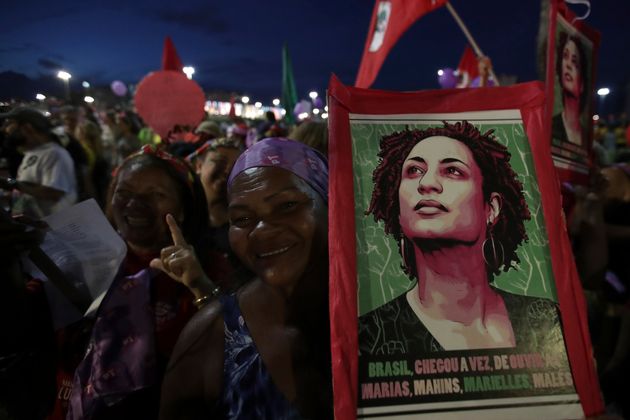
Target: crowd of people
220 307
198 242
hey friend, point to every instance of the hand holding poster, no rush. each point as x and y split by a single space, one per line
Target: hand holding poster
449 261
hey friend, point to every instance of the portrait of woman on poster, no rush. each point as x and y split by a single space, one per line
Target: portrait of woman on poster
572 73
458 216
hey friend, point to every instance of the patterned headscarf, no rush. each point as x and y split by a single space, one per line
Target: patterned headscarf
293 156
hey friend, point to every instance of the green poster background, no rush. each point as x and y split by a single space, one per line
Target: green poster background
380 277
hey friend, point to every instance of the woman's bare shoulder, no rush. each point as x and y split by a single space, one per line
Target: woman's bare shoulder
193 379
203 332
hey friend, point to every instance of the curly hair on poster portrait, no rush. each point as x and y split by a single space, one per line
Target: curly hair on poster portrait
493 160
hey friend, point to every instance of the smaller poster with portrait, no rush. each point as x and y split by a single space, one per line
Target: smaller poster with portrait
448 297
571 72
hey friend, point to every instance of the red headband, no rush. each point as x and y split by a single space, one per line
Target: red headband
185 171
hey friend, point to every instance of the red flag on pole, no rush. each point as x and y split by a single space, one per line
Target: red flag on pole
232 113
170 59
390 19
468 67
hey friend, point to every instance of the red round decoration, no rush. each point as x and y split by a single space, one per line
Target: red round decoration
166 98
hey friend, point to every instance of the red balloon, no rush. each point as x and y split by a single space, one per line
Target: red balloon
166 98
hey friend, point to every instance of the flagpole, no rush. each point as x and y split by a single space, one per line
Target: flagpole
471 40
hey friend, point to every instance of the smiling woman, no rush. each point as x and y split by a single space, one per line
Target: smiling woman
458 215
264 352
144 310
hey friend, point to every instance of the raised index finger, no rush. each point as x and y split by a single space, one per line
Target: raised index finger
176 233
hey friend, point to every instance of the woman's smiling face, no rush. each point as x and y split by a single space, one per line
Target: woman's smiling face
441 192
142 198
278 225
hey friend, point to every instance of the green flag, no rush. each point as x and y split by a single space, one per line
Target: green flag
289 92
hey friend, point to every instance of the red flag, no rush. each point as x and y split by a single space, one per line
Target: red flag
170 59
390 19
467 68
232 113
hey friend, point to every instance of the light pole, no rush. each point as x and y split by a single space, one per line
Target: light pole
65 76
602 92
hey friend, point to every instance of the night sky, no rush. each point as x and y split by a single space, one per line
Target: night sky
236 45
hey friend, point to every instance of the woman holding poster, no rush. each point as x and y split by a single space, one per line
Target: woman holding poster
458 216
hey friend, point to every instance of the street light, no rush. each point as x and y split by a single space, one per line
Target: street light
312 94
258 104
276 102
602 92
40 97
85 84
88 99
245 99
65 76
189 70
440 72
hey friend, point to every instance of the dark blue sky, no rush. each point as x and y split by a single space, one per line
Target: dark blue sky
236 45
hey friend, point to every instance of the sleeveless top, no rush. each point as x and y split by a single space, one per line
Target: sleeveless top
248 390
394 328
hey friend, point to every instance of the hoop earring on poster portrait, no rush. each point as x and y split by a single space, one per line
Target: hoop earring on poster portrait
404 252
492 250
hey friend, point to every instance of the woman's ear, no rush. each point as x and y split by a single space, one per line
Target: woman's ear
494 207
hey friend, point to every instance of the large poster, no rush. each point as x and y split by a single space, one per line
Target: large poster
571 72
457 300
445 284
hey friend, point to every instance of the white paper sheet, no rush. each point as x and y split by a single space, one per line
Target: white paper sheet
83 244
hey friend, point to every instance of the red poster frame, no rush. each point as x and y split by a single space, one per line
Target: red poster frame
529 98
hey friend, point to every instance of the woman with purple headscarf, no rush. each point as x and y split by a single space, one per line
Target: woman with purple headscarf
264 352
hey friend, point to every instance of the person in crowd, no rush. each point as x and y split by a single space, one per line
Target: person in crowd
27 376
451 200
109 135
266 125
208 130
264 352
600 229
89 135
572 73
312 133
46 179
238 130
152 195
127 141
70 119
213 162
484 64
